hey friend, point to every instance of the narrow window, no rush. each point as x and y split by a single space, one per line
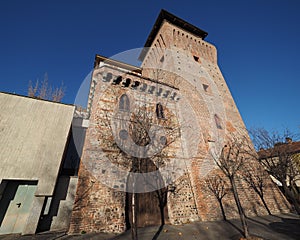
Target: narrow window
173 96
162 59
205 87
107 77
158 93
143 88
124 104
151 89
160 111
127 82
218 121
135 85
117 80
166 94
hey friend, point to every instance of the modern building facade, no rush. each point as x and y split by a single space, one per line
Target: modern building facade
34 135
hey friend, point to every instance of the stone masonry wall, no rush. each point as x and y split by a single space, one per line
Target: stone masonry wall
181 73
100 199
190 64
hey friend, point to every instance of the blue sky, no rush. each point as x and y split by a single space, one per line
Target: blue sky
258 46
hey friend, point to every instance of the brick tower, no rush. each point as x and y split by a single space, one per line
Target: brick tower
179 93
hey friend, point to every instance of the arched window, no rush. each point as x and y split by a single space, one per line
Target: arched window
127 82
124 104
160 111
218 121
117 80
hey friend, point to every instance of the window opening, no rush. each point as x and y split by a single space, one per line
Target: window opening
127 82
159 111
218 121
117 80
124 104
205 87
135 85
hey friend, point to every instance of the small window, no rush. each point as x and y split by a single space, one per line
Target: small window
124 104
162 59
205 87
158 93
166 94
135 84
127 82
173 96
218 121
117 80
107 77
143 88
160 111
196 58
151 89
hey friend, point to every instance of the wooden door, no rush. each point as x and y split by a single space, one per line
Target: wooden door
148 204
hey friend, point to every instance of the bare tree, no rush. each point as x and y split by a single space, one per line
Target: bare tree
256 178
58 93
32 90
139 121
43 90
140 124
280 156
231 160
217 186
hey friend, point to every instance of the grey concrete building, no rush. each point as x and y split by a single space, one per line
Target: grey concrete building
34 135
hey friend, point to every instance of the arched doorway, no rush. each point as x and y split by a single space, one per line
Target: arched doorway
150 207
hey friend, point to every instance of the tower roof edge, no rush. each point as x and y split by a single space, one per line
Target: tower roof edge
165 15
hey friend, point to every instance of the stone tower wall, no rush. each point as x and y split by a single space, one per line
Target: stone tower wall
181 72
190 64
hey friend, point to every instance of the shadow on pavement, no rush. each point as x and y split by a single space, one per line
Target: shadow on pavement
287 226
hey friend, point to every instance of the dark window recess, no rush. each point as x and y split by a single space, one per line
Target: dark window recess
162 59
151 89
107 77
158 93
135 84
144 87
196 58
117 80
205 87
124 104
123 134
173 96
218 121
166 94
127 82
160 111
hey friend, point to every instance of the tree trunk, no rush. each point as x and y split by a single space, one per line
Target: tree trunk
222 209
239 206
288 193
134 218
162 215
265 204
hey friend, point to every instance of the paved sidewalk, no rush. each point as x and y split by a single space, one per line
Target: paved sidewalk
284 226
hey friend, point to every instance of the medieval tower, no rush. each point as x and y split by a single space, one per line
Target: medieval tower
153 130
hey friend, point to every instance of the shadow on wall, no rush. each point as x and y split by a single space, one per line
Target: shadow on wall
49 212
